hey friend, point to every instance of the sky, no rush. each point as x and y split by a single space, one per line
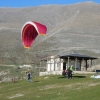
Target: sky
31 3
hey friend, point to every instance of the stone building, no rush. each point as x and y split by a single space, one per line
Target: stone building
57 63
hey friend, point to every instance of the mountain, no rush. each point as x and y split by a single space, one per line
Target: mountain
71 28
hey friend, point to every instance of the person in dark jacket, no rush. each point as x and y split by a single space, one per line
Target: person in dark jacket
64 73
70 69
69 72
29 76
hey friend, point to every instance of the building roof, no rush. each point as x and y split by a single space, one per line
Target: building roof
78 56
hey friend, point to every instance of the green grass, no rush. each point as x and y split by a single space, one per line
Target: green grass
81 87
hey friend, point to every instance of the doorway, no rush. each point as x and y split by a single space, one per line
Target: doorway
64 65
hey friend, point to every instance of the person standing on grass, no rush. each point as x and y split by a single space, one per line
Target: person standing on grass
64 73
29 76
71 70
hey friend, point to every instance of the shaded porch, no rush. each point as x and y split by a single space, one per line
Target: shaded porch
79 61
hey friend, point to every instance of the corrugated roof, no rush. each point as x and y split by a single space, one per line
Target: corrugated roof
78 56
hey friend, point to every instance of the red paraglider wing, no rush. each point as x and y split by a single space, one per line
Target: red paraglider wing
29 32
41 28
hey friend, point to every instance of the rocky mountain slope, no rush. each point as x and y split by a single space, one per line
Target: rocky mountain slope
71 28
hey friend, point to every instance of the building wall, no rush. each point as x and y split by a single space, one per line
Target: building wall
54 64
57 64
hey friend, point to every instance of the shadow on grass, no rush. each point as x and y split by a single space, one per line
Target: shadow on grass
79 76
73 77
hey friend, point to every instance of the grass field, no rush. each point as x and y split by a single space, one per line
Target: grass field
81 87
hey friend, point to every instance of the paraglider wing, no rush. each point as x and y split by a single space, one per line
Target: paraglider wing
30 31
